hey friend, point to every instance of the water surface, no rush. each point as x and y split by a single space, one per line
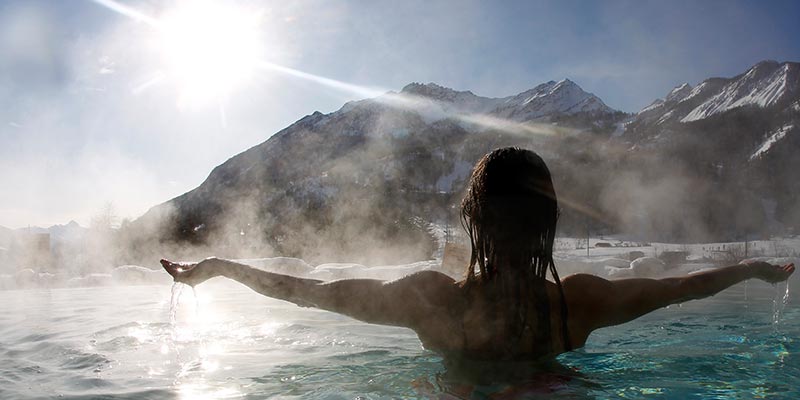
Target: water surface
120 342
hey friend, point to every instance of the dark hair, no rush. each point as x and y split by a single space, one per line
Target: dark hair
510 213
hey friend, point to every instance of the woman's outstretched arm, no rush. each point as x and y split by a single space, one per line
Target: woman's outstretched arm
599 302
403 302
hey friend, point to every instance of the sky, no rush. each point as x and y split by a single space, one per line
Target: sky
95 109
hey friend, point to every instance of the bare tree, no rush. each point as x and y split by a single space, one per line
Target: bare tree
106 218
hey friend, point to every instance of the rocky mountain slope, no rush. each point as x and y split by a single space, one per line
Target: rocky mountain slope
366 183
768 87
741 134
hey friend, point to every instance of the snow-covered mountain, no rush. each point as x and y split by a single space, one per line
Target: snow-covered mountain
766 84
388 165
68 232
769 86
750 122
544 101
740 133
563 97
365 182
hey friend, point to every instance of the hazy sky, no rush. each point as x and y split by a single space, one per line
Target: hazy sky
85 122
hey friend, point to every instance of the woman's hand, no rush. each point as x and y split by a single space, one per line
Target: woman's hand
770 273
191 274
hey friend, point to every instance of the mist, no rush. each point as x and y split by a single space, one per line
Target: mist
314 157
93 117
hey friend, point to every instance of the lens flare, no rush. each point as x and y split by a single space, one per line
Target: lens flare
209 48
212 47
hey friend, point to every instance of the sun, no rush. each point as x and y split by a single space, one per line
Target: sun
209 48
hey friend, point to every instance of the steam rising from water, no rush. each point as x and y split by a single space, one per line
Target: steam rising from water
633 201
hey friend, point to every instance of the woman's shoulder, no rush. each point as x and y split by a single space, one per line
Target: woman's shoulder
430 278
433 285
584 290
584 282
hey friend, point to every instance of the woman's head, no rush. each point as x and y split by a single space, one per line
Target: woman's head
510 212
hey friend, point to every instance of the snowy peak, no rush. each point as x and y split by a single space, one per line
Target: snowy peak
566 92
763 85
705 89
548 99
679 93
436 92
659 111
769 86
564 88
449 99
564 97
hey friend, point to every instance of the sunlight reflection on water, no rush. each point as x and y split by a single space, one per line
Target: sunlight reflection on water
202 391
226 342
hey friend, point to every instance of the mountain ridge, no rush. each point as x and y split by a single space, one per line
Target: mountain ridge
378 172
562 97
765 84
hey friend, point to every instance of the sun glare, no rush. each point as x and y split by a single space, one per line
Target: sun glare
209 48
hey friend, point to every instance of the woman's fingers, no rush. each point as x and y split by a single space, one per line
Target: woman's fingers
782 273
187 273
173 268
169 267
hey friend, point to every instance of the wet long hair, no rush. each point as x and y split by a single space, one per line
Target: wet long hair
510 213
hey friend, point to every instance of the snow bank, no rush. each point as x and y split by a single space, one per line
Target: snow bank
610 267
392 272
776 260
26 277
7 282
136 275
576 265
642 267
280 265
647 266
91 280
333 271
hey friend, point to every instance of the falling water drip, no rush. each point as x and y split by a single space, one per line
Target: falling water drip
745 294
775 312
786 295
177 289
779 306
196 302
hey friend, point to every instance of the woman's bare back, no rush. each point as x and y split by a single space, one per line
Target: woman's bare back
460 322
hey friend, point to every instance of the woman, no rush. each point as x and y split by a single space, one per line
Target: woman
505 308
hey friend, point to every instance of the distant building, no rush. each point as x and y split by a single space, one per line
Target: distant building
36 252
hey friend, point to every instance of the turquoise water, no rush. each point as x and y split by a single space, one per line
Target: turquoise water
121 343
